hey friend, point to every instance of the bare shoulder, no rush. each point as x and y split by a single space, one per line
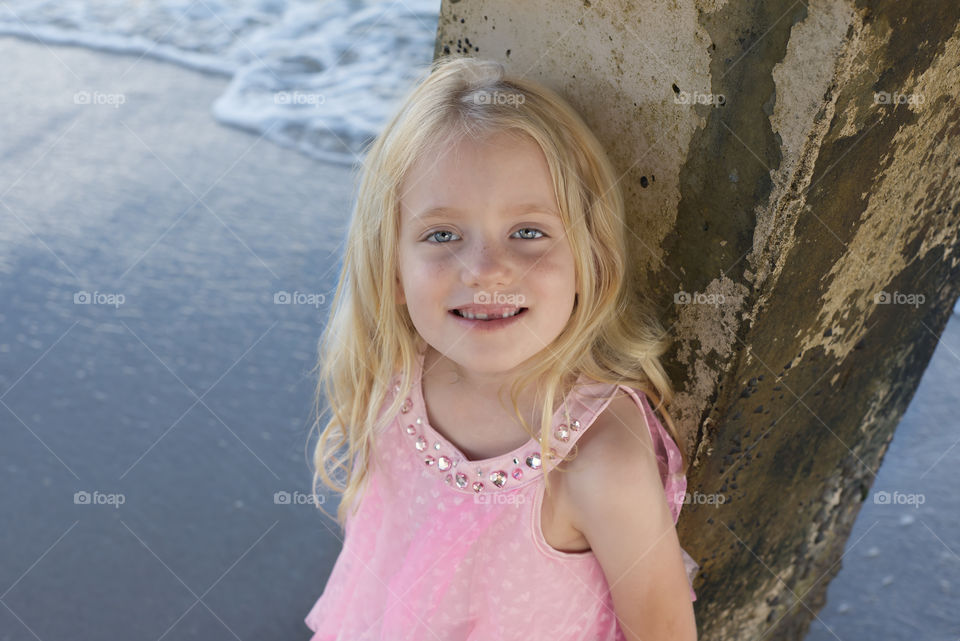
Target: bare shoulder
618 504
619 436
615 466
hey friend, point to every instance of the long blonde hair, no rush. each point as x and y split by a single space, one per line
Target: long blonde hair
611 336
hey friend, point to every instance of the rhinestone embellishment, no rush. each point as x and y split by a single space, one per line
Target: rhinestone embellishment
446 463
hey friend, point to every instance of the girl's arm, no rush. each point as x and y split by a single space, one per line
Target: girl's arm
619 506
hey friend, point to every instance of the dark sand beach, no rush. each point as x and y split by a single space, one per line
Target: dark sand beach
180 388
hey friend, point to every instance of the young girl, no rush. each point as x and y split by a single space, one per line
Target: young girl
486 253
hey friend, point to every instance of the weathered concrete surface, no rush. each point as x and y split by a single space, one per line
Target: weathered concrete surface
799 204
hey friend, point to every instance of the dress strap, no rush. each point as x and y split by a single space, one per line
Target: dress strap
580 409
587 403
669 459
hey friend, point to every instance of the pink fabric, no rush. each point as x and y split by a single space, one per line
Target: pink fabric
424 558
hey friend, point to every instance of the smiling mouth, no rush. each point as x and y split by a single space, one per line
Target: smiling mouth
482 316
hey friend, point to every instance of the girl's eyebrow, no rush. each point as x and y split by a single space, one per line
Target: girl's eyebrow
442 211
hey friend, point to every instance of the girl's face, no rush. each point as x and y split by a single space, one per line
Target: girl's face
479 226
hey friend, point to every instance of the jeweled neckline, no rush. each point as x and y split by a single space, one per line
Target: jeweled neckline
503 472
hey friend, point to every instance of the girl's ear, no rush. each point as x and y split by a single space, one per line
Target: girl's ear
400 298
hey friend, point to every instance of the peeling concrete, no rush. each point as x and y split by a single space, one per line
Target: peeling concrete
709 321
883 244
800 117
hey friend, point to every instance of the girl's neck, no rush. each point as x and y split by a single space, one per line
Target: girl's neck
478 389
480 384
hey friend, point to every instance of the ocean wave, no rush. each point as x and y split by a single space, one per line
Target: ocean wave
320 77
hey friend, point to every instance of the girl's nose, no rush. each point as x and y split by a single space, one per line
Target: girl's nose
487 265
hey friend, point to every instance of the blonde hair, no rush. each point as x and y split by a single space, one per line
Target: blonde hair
611 336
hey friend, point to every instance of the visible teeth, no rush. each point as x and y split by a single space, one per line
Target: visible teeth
466 314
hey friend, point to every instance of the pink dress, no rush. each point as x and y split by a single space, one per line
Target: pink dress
444 548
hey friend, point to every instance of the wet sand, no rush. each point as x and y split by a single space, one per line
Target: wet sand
178 397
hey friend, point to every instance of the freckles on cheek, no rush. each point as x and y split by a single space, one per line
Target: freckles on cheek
427 269
554 263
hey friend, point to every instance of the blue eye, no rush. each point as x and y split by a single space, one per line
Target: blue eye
434 233
533 230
